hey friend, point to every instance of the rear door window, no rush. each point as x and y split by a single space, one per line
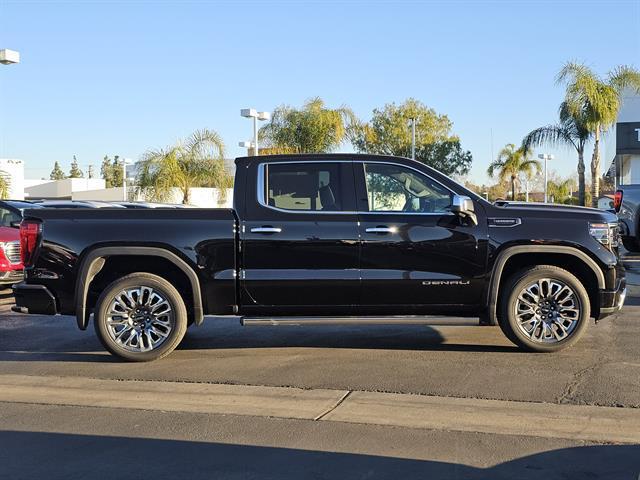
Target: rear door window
309 187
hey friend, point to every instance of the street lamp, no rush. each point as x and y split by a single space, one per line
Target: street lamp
545 157
7 57
413 138
252 113
125 162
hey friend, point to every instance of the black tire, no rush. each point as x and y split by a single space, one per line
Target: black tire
177 320
518 283
631 244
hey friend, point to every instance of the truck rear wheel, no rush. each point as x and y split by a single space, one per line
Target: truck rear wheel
140 317
544 309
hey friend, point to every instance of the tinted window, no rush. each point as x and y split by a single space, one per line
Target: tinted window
393 188
304 186
7 217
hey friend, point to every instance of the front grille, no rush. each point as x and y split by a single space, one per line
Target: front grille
12 251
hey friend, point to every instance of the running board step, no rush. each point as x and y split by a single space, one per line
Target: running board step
410 320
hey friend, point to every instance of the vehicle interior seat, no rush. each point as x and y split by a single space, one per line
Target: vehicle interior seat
327 199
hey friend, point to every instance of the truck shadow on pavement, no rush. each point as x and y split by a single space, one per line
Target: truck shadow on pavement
58 339
63 456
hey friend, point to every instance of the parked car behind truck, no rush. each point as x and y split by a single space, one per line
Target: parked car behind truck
10 260
627 206
324 239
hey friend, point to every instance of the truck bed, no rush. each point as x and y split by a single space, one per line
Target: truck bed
203 238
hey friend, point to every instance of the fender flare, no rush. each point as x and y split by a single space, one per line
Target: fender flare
93 262
509 252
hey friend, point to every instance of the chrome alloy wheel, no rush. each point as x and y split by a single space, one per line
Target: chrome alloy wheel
547 311
139 319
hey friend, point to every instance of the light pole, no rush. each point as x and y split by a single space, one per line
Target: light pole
252 113
8 57
545 157
413 138
125 162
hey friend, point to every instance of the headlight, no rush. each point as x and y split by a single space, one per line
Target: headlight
606 233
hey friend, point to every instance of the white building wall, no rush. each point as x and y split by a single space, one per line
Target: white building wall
63 189
629 163
104 194
13 170
200 197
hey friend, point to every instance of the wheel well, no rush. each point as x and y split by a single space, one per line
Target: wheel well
118 266
568 262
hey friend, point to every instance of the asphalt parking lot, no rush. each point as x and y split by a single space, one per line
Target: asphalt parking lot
451 362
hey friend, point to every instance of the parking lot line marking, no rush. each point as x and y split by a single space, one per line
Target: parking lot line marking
578 422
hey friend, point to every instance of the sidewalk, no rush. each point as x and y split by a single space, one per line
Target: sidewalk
575 422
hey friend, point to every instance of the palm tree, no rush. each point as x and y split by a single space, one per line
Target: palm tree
597 100
312 129
511 162
570 131
196 162
4 185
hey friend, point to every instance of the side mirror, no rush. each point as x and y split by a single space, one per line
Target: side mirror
463 206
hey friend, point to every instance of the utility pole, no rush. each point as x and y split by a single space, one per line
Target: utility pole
255 115
413 138
545 157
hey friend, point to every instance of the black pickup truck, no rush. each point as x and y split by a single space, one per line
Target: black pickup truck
324 239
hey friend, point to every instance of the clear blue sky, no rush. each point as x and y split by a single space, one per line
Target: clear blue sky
118 77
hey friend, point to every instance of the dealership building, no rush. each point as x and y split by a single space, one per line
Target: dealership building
626 135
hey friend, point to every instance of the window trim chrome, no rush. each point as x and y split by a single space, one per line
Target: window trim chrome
261 194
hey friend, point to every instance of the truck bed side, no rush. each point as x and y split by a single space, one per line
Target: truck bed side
204 241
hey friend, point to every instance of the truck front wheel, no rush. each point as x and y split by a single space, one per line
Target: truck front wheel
140 317
544 308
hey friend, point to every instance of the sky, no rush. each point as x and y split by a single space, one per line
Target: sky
119 77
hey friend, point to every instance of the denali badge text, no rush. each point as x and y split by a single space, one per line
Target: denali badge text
445 282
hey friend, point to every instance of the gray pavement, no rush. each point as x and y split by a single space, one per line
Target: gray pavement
464 362
56 442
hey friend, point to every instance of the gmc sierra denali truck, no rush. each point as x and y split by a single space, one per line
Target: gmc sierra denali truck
324 239
627 206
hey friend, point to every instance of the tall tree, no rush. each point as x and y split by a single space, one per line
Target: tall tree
56 173
572 131
196 162
314 128
106 172
117 176
75 171
597 100
390 133
5 185
511 162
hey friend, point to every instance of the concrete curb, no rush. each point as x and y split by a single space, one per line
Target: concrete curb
599 424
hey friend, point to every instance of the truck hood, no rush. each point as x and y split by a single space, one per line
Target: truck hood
555 211
9 234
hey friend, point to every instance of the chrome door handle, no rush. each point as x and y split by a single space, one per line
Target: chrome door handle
266 230
381 230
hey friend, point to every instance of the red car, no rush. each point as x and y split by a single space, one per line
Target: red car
10 262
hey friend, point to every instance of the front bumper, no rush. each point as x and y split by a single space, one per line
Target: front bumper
34 299
612 301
